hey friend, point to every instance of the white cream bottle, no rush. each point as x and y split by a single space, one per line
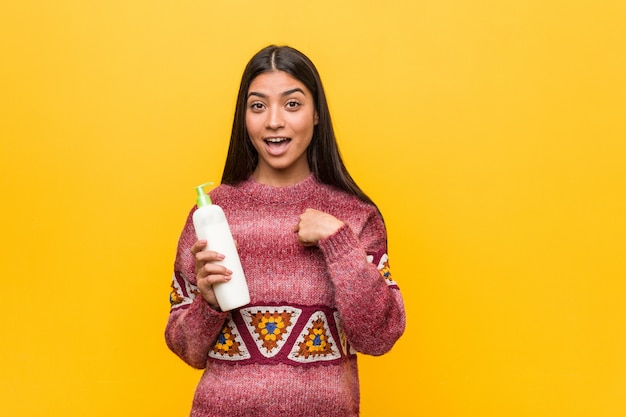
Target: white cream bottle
211 225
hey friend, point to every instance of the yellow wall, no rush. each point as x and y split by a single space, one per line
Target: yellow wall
491 133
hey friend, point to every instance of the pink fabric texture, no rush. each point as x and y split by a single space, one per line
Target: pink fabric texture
292 351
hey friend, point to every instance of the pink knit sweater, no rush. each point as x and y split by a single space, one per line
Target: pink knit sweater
292 351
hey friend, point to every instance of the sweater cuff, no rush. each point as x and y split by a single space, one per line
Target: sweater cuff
204 310
340 243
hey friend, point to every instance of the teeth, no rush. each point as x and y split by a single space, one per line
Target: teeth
276 140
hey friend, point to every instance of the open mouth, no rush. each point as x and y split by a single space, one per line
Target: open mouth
277 141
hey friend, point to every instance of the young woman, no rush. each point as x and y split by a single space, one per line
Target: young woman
314 250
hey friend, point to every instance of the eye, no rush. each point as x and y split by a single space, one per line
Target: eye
292 104
256 106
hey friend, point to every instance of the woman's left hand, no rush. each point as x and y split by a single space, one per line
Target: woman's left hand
315 225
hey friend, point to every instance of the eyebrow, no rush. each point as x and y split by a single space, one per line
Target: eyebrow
285 93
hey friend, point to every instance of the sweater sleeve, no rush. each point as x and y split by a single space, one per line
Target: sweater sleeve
368 300
193 326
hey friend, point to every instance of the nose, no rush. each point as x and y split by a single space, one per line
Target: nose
274 119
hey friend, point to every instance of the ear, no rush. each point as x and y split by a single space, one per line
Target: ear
316 118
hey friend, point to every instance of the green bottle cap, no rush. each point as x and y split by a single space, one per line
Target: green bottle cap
203 198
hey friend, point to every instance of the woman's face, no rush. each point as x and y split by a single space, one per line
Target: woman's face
280 118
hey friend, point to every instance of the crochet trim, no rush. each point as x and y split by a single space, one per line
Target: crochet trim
291 334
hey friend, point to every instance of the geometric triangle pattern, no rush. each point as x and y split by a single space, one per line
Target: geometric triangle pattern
383 268
270 326
345 346
297 335
182 291
315 342
229 345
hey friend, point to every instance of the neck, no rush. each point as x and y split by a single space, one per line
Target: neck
278 178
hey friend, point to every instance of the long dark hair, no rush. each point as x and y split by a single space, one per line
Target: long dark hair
323 153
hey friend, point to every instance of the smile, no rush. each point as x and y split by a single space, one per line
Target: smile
276 140
277 146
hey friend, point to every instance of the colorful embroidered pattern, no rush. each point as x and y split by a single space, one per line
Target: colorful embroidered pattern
270 326
226 344
315 342
302 336
182 292
175 297
383 268
343 340
229 344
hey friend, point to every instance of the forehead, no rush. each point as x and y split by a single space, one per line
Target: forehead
276 82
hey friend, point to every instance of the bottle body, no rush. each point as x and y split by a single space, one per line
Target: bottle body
211 225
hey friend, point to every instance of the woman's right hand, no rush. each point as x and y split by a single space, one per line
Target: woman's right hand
208 272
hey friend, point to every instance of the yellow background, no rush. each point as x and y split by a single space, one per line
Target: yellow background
492 135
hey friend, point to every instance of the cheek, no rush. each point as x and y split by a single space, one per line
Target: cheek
304 124
252 126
